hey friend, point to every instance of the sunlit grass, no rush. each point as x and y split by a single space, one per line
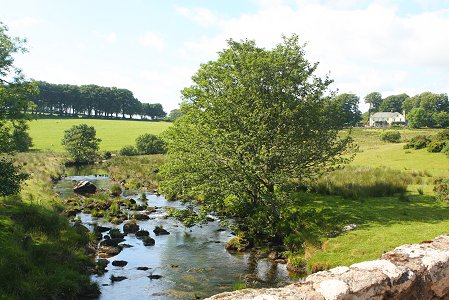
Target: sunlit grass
383 224
47 133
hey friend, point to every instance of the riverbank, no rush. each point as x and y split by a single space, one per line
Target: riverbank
42 255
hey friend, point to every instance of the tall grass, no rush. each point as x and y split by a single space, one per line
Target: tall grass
136 171
359 182
41 255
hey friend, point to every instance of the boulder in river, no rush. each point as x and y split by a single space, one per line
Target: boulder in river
148 241
115 233
84 187
111 242
119 263
159 230
154 276
131 227
118 278
108 251
142 233
141 217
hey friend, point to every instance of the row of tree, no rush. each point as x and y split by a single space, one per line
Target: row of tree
423 110
92 100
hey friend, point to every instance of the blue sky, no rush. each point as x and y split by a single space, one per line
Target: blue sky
154 47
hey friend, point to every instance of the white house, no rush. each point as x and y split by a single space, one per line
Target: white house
385 119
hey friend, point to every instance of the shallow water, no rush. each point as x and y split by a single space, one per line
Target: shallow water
192 262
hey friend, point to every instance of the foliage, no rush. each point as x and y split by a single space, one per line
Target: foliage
391 136
175 114
347 106
441 189
254 119
154 111
436 146
188 217
42 255
374 100
92 100
15 93
418 117
441 135
11 178
418 142
136 170
81 143
149 144
362 182
393 103
441 119
116 190
128 151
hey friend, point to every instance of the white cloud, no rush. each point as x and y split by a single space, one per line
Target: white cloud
202 16
25 22
366 49
152 40
109 37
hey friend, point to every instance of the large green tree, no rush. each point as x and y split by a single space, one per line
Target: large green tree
393 103
254 121
348 107
15 93
374 100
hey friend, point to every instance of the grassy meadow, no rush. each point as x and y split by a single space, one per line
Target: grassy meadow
114 134
383 222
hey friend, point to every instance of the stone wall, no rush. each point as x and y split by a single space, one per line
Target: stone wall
419 271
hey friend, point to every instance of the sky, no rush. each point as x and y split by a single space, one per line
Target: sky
153 47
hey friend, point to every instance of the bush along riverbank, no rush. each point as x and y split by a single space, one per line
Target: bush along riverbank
42 255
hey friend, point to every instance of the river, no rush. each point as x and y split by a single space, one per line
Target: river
192 262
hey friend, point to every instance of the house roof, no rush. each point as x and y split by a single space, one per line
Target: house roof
386 115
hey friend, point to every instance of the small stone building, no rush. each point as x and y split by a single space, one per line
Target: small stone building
386 119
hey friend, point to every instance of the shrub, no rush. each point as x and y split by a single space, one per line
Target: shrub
128 151
107 155
22 140
441 189
150 144
418 142
441 136
11 178
391 136
436 146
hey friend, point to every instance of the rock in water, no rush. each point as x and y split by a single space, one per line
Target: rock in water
84 187
131 227
119 263
148 241
159 230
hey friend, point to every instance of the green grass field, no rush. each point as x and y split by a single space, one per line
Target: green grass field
386 222
47 133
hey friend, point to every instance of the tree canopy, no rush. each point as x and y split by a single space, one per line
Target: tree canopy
81 143
347 106
15 93
92 100
254 121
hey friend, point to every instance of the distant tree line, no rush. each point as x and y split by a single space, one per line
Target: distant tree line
423 110
93 101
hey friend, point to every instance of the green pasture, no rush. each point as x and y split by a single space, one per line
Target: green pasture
47 133
375 153
383 222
